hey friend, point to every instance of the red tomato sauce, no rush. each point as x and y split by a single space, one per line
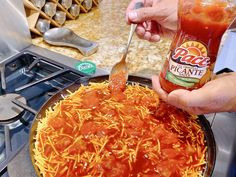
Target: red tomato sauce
135 136
117 83
199 23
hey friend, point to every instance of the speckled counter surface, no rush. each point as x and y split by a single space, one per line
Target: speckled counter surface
106 25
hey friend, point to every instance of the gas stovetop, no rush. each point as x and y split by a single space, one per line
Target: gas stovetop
28 80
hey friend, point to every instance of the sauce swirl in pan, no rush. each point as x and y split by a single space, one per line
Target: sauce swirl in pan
94 133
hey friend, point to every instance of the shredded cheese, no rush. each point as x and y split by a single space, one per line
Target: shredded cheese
90 133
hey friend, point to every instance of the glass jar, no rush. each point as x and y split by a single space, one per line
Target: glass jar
42 25
74 10
87 4
50 9
60 17
38 3
66 3
190 61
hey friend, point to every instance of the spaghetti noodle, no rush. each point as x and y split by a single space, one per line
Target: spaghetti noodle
91 133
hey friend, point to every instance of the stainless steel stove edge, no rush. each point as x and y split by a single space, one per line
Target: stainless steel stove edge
68 61
224 130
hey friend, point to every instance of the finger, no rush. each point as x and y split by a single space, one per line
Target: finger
194 111
177 99
157 87
140 31
147 35
155 38
131 8
132 4
199 110
185 98
141 15
149 30
155 32
147 13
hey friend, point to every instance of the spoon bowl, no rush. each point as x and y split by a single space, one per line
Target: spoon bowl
120 68
66 37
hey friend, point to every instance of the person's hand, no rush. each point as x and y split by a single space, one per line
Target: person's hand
218 95
156 19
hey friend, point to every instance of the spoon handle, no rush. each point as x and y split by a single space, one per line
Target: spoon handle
131 33
133 26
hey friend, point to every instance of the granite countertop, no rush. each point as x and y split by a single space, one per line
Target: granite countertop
106 25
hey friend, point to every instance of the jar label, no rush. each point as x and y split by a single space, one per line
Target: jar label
188 64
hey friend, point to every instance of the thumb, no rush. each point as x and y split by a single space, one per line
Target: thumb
142 15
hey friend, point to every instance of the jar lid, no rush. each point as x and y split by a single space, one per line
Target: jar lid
86 67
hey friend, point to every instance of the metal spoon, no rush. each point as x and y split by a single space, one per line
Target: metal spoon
121 66
67 37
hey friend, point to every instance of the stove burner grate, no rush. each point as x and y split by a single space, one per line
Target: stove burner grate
9 111
27 81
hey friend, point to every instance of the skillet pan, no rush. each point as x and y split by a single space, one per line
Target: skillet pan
209 137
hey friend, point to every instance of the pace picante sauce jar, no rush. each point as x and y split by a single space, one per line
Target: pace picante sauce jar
192 55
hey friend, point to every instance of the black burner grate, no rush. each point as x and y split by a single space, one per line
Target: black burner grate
35 78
